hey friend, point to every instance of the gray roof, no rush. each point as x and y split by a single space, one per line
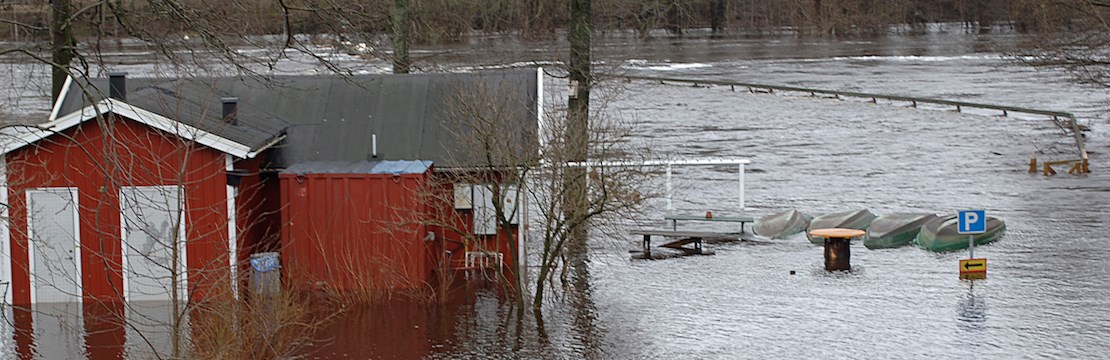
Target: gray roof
332 118
398 167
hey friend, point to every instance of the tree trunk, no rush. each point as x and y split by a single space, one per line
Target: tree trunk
984 16
674 21
402 20
541 277
717 16
61 45
578 125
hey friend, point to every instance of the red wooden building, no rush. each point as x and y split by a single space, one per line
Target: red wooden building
168 185
118 203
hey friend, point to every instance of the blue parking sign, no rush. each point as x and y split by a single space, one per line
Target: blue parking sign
972 221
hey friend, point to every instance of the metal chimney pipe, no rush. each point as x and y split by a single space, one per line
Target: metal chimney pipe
231 110
117 85
374 145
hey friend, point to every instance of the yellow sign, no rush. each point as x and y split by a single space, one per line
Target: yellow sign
973 268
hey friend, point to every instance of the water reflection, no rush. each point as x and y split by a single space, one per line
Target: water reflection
66 331
584 312
971 311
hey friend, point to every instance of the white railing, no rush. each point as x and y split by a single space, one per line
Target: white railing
670 164
484 259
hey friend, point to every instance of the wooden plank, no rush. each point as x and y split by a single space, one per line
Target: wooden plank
690 234
739 219
678 244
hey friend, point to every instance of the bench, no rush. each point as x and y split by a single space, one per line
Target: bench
674 219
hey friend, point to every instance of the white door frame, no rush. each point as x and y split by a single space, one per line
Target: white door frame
5 235
76 238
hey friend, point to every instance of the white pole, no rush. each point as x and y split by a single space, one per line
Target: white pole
587 179
670 205
742 189
971 246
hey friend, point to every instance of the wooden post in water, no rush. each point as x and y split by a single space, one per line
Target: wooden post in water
838 250
838 254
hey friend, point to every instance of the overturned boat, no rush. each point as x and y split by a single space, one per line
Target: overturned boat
854 219
895 230
781 225
941 234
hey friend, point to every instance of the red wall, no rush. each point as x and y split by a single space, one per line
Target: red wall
361 232
258 213
457 236
146 157
354 231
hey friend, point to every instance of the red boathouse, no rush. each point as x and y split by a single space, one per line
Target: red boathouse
163 189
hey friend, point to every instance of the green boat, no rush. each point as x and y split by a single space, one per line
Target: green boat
895 230
855 219
940 234
781 225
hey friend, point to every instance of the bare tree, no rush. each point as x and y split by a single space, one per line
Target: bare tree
1074 36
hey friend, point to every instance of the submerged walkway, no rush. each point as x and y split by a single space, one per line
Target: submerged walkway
1064 120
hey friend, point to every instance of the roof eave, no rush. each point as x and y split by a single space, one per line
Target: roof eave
132 112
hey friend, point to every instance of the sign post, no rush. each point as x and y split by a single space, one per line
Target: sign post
972 222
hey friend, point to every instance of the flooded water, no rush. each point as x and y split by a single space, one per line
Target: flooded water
1048 290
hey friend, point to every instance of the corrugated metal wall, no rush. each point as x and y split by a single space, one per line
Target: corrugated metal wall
354 231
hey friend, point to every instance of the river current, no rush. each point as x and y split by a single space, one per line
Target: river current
1048 290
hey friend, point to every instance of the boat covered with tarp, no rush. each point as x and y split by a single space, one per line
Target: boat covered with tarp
941 234
853 219
895 230
781 225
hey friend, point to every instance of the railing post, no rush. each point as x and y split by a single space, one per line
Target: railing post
670 205
742 188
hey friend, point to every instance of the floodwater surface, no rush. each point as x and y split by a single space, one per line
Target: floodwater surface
1047 294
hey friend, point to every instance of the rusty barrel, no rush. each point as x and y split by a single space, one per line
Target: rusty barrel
838 250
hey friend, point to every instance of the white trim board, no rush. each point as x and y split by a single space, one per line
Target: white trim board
16 137
232 231
61 98
5 235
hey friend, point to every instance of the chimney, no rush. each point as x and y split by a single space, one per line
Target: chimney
117 85
231 110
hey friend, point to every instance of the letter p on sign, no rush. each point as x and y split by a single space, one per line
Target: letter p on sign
972 222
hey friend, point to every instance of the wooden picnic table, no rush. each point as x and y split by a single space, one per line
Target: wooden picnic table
674 219
684 238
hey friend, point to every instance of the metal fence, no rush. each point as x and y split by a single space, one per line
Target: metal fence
1065 120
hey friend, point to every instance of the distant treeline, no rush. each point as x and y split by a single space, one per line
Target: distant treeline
440 20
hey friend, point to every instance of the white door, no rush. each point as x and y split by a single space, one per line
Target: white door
153 230
55 272
55 245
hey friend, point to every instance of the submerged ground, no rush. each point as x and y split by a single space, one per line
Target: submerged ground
1048 282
